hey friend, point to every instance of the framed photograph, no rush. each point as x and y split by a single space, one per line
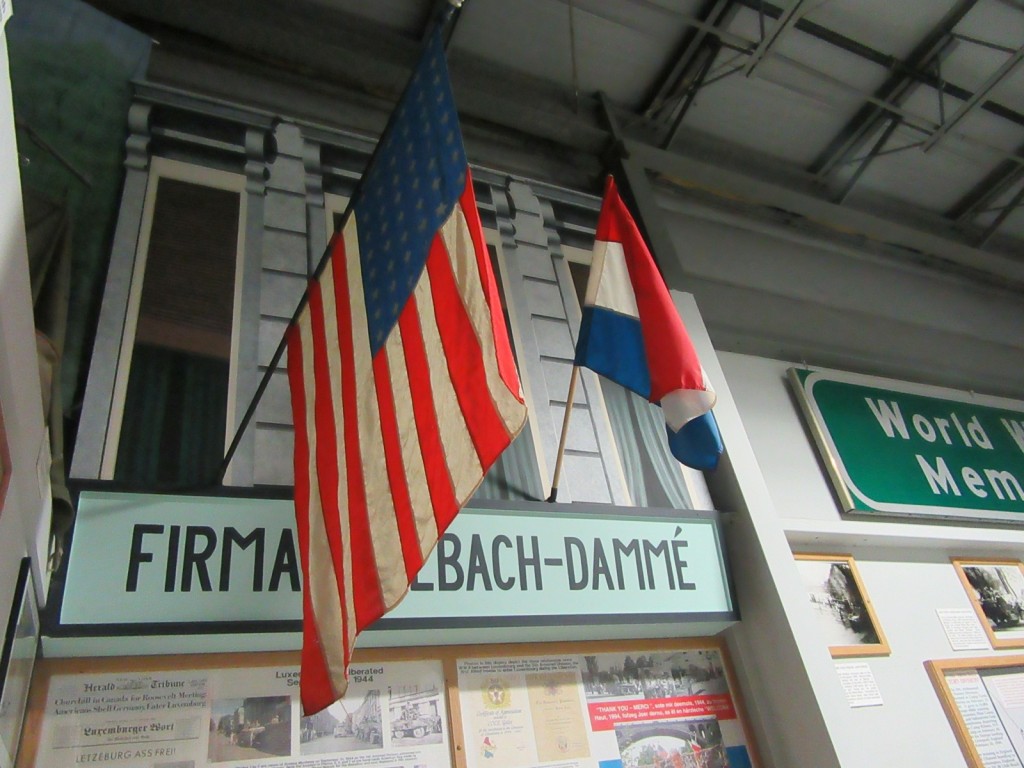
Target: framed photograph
842 606
17 662
671 703
996 591
981 699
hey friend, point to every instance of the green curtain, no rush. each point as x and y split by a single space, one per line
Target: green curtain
172 433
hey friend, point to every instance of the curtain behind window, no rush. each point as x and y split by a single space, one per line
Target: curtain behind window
176 402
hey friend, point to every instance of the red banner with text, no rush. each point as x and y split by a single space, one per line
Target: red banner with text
605 715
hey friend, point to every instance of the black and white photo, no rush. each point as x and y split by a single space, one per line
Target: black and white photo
996 591
351 724
653 675
253 727
841 605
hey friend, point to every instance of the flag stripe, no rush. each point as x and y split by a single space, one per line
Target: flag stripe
497 330
459 452
470 278
324 594
439 481
315 673
698 444
463 353
614 291
408 536
411 445
336 523
369 603
619 351
671 358
379 505
682 405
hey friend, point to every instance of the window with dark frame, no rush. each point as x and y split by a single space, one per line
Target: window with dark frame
176 401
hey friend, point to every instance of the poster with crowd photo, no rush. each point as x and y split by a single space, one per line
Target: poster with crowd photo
392 715
663 709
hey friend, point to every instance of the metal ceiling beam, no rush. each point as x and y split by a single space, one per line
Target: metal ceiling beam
1009 208
972 103
875 107
866 120
537 113
984 43
885 152
699 80
435 9
727 184
786 22
1004 176
884 60
670 83
912 120
876 150
635 185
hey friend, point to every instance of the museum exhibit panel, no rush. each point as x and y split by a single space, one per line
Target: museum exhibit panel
832 198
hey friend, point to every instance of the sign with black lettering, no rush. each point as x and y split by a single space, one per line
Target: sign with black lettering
141 559
168 561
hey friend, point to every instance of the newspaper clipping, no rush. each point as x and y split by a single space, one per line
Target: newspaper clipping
393 716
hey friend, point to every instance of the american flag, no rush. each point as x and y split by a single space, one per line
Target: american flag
404 388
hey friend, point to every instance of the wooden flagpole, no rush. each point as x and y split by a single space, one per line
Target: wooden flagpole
569 398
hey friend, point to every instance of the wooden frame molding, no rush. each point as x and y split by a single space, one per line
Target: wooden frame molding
998 603
448 656
969 673
852 614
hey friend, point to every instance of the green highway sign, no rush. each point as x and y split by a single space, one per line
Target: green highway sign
895 448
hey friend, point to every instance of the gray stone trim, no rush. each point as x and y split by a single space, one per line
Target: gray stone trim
99 391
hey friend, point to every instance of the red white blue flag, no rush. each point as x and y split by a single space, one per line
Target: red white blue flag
632 334
404 388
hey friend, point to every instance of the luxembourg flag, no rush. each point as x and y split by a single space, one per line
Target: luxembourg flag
632 334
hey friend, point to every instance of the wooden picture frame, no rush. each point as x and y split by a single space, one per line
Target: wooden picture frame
842 605
995 588
977 685
47 729
598 655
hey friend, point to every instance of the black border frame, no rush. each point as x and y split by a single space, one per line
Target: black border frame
52 626
22 590
12 620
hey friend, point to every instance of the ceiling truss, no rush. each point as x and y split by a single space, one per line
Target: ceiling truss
709 51
868 134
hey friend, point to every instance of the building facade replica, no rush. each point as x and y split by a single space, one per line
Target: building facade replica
838 593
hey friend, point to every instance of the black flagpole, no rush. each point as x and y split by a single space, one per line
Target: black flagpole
445 18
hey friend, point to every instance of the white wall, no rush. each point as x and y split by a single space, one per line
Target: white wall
904 565
19 376
780 666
